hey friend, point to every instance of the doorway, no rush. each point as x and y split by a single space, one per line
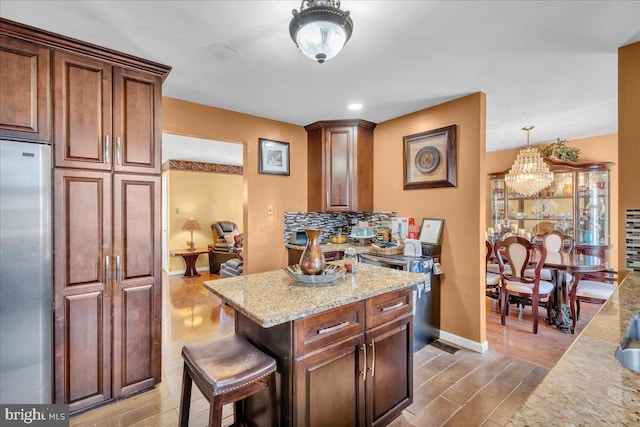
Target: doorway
202 179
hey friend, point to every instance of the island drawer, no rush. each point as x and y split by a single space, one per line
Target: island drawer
325 328
386 307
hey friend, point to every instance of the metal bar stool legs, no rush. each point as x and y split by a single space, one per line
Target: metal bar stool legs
227 370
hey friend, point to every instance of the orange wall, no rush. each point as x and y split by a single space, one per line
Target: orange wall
463 207
595 149
629 136
263 233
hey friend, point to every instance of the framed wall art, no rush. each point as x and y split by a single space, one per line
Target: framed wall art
273 157
430 159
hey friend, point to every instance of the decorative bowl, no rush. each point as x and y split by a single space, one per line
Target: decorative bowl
520 215
330 273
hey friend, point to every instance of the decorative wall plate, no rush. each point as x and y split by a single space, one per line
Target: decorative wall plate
427 159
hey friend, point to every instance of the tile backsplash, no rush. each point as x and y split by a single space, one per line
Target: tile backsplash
331 222
633 240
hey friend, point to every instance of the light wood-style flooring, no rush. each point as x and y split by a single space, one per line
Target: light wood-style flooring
462 389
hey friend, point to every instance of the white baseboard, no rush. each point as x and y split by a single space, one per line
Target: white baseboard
177 272
478 347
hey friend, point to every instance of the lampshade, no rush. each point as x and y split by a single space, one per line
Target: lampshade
191 224
529 173
320 29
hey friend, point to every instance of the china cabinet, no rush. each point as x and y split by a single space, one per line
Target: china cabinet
577 203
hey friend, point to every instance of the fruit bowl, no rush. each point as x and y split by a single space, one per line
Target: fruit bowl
330 273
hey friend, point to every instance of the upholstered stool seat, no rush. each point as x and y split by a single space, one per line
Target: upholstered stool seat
227 370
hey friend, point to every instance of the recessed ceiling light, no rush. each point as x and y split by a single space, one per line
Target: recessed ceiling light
355 106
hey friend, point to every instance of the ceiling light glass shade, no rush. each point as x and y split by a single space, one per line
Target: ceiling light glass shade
320 29
529 173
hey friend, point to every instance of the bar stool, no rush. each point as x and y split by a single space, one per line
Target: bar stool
227 370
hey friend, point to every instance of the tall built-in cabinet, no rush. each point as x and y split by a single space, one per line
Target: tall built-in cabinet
105 111
576 203
340 166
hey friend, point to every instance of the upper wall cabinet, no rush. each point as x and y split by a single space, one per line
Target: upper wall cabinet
106 117
340 166
25 104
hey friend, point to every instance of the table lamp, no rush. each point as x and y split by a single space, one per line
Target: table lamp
190 225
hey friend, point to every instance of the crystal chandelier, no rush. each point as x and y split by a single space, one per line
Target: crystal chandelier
529 173
320 29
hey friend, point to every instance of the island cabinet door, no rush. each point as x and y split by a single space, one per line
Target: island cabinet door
329 386
389 384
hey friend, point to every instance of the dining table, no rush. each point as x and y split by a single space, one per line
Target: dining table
569 266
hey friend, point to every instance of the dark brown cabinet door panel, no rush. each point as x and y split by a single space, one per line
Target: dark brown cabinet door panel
390 385
82 112
25 88
328 389
137 129
339 167
137 283
82 296
86 359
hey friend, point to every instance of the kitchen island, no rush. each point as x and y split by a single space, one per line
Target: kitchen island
588 386
343 349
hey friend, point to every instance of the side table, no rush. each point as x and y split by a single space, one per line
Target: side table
190 258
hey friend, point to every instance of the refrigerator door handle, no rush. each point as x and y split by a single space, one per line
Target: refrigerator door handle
118 269
106 270
107 150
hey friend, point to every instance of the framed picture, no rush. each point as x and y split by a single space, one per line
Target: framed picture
273 157
431 230
430 159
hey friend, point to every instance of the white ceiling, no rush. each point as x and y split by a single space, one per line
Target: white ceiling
552 64
179 147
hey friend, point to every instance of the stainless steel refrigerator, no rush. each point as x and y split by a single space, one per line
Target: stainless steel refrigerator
25 273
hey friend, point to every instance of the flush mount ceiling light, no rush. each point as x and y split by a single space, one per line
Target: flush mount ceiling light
320 29
529 173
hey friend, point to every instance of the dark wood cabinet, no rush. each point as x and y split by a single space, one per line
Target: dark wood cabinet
105 117
106 204
107 327
25 97
327 393
136 283
389 384
83 277
348 366
340 166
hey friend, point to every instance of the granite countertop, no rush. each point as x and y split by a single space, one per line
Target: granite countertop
588 386
333 247
272 298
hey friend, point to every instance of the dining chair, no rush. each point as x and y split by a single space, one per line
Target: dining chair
518 254
594 288
492 280
554 241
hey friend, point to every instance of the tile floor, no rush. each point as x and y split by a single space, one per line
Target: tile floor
462 389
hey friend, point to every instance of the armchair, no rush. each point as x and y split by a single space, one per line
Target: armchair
224 247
